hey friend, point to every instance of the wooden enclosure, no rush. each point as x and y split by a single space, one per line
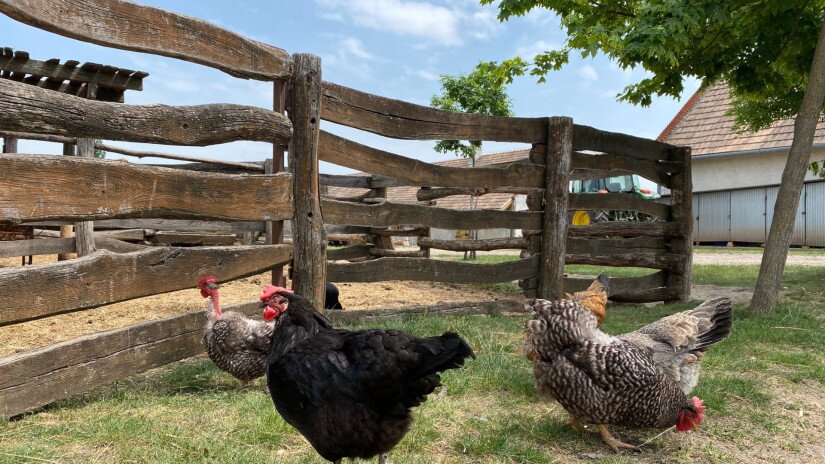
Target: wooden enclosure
119 208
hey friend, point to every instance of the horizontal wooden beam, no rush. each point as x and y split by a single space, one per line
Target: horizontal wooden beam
37 246
597 246
629 258
41 188
129 26
37 378
625 229
390 214
350 252
338 150
386 253
191 239
403 120
173 156
424 269
104 277
334 180
618 285
619 202
592 139
428 194
596 165
474 245
489 307
25 108
103 76
385 232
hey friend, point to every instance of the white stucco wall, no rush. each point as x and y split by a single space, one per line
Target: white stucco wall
743 171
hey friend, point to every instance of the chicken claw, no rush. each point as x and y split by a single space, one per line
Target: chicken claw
615 444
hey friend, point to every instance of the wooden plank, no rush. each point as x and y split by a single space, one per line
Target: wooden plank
182 225
275 229
554 220
474 245
36 378
618 201
402 120
350 252
9 144
427 194
117 246
172 156
57 73
190 239
390 214
26 108
617 286
42 188
415 232
639 245
423 269
105 277
681 199
338 150
628 258
490 308
129 26
354 181
592 139
389 253
308 235
625 229
37 246
350 238
600 166
85 230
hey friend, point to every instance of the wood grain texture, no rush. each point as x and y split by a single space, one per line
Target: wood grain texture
308 234
390 214
490 308
554 219
423 269
414 232
191 239
427 194
334 180
39 187
350 252
106 76
338 150
594 166
85 230
681 198
390 253
173 156
589 138
37 378
25 108
402 120
129 26
474 245
625 229
182 225
37 246
105 277
618 201
618 285
9 144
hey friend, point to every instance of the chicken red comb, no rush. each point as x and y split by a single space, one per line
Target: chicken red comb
205 280
271 290
698 404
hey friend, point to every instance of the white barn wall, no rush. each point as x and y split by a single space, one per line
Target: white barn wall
741 171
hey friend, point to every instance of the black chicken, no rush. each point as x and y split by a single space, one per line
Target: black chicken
350 392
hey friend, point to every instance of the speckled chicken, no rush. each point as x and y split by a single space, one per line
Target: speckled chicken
640 379
236 344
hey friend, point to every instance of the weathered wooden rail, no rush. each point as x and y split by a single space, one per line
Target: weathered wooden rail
42 100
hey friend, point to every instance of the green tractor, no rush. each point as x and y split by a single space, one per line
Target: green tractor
629 183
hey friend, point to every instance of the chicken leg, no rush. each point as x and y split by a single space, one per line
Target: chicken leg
613 442
382 458
579 426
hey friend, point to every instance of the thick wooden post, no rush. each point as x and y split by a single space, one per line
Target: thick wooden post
9 145
681 207
382 242
308 235
554 224
275 229
67 231
84 230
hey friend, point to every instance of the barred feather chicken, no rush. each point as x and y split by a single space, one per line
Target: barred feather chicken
350 393
639 380
236 344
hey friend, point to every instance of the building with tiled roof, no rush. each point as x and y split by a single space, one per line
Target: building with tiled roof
736 175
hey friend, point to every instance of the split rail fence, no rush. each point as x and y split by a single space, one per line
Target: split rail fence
62 189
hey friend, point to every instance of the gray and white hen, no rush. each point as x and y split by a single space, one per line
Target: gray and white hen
236 344
640 379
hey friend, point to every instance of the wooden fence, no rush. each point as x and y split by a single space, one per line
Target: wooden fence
39 189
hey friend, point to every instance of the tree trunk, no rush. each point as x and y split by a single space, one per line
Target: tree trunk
766 293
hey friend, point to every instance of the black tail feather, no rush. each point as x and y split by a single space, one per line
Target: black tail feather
722 321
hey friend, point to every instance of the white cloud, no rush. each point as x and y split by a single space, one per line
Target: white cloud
409 18
530 51
426 75
588 73
355 48
482 25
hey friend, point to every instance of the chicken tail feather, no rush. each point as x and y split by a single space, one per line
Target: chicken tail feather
721 322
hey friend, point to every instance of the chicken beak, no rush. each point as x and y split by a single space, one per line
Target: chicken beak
694 426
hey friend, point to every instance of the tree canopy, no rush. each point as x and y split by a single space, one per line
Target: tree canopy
763 49
476 92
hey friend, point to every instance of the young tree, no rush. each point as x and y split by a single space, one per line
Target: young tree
764 49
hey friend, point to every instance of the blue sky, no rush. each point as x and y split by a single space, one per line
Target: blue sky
393 48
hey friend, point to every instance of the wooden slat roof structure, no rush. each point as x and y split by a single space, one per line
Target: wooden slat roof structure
70 77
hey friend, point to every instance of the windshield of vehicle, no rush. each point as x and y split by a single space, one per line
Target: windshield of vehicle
611 184
619 184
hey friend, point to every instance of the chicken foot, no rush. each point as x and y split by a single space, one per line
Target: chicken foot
382 458
615 444
579 426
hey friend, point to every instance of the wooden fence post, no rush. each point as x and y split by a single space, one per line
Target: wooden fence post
681 204
67 231
84 230
275 229
556 192
308 235
9 145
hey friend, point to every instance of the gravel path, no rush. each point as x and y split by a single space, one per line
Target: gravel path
734 258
